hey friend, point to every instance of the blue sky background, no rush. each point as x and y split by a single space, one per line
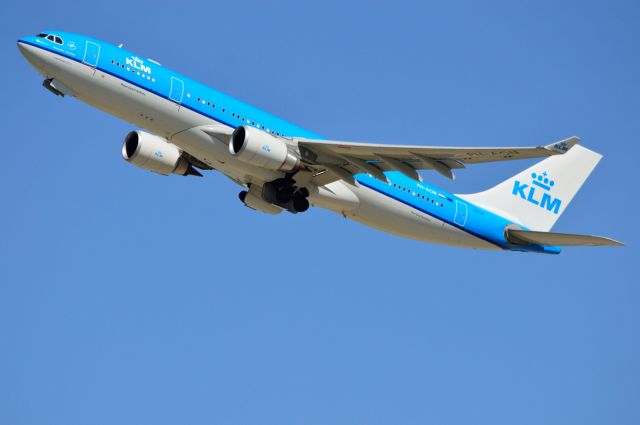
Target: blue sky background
129 298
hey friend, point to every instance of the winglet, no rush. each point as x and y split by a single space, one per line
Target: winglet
563 145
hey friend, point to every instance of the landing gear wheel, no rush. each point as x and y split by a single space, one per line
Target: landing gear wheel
303 191
285 194
300 203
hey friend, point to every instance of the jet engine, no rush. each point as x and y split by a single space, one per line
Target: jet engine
261 149
155 154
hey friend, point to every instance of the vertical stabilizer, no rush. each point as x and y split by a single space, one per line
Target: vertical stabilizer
537 197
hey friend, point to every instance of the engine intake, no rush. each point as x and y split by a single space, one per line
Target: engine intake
261 149
153 153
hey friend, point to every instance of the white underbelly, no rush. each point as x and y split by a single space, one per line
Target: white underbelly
384 213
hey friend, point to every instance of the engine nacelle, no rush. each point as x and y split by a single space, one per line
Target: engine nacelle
255 202
261 149
153 153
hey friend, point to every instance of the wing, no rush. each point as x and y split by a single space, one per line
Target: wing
343 159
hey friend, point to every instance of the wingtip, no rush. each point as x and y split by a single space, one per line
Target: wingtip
604 241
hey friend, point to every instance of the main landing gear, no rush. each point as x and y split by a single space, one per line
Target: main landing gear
284 193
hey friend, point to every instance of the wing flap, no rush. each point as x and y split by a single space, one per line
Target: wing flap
526 237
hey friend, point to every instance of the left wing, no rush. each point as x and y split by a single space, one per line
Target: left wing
343 159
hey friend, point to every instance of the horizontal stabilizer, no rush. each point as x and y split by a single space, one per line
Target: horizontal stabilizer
526 237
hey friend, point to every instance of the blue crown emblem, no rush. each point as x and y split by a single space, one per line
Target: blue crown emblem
542 180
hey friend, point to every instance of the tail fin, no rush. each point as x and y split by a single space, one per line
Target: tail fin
537 197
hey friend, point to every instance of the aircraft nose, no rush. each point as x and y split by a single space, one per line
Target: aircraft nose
22 47
30 53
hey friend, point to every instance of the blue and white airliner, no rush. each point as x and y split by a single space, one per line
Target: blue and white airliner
190 128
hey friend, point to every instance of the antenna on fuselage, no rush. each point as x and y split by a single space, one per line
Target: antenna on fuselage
120 45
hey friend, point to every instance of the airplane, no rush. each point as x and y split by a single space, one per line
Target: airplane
190 128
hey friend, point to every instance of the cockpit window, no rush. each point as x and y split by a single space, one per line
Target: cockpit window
42 35
52 37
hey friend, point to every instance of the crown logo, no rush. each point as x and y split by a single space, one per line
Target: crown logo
542 180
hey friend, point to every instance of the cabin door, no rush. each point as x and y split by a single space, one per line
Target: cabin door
461 213
91 54
177 90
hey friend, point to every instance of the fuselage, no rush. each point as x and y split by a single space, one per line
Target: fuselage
170 105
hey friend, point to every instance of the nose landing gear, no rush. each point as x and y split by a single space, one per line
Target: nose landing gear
48 84
56 87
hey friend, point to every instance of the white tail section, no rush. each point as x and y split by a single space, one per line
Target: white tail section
537 197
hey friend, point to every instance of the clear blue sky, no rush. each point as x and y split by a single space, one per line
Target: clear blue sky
130 298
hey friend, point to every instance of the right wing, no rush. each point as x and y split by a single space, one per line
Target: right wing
334 160
343 159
